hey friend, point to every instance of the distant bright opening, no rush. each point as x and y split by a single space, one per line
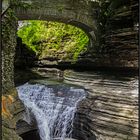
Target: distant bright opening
53 39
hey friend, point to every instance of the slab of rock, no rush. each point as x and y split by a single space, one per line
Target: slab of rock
110 111
12 111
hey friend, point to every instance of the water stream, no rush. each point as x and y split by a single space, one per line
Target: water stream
53 107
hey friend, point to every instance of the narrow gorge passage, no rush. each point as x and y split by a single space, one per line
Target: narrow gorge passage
90 47
53 108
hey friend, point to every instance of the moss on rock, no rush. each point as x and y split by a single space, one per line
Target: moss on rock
9 27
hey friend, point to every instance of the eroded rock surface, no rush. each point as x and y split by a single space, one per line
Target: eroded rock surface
110 111
12 111
9 26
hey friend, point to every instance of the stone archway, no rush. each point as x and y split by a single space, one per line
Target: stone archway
78 13
75 16
83 14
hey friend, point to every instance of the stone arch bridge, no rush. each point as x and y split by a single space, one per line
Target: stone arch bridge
120 47
80 13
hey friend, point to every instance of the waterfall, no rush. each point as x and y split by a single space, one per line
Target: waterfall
53 107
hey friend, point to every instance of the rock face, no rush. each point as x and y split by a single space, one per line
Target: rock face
23 56
101 111
36 73
121 34
110 111
9 27
114 24
12 111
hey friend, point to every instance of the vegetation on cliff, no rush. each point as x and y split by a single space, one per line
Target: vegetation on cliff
53 39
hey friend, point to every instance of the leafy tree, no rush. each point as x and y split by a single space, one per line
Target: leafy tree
53 39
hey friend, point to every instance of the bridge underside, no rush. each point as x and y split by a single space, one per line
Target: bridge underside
78 13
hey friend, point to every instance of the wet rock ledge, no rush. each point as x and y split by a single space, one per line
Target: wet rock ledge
110 111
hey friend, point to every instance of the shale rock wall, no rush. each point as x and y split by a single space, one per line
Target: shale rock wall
23 56
121 34
110 111
9 28
12 111
108 115
115 43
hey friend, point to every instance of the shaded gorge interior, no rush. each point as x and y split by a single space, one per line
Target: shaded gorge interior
101 107
70 70
49 41
41 48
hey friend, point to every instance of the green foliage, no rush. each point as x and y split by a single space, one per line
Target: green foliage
52 39
17 3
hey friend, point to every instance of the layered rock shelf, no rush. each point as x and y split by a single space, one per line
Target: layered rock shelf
12 111
110 111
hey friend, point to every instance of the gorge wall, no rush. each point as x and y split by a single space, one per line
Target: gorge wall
110 111
9 28
114 43
121 34
112 27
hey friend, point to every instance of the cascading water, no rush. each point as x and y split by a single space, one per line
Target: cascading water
53 107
